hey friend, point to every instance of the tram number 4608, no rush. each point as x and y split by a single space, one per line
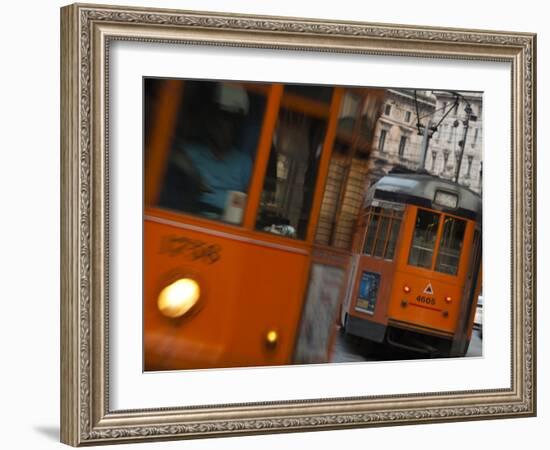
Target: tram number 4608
427 300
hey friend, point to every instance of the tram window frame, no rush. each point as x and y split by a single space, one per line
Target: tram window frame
435 234
374 217
276 100
188 134
438 264
285 210
435 259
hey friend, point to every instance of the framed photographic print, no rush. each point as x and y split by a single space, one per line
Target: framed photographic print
274 224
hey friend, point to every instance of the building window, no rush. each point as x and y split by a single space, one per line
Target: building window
445 159
434 156
407 116
382 140
470 160
402 144
451 133
387 111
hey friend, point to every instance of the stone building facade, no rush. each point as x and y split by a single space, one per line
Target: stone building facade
397 141
444 152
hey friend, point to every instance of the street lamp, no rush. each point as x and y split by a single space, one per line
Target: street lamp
428 130
462 143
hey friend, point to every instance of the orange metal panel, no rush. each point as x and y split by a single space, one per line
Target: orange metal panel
247 289
428 310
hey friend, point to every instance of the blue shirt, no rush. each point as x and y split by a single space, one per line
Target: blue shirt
230 172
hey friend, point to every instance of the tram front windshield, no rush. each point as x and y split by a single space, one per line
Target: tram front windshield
424 240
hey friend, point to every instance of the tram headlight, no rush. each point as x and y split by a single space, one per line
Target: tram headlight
271 338
406 289
178 298
448 299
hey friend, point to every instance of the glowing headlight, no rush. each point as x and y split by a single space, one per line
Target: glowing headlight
179 297
271 338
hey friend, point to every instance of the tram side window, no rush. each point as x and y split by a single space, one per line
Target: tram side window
289 185
381 237
382 231
212 150
371 232
450 245
392 241
423 242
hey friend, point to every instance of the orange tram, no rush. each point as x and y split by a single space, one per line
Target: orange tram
256 240
417 270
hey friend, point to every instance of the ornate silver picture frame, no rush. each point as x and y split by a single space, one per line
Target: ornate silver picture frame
88 33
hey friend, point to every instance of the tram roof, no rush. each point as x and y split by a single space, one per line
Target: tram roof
421 189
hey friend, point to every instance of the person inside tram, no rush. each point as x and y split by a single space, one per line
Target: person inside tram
206 167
